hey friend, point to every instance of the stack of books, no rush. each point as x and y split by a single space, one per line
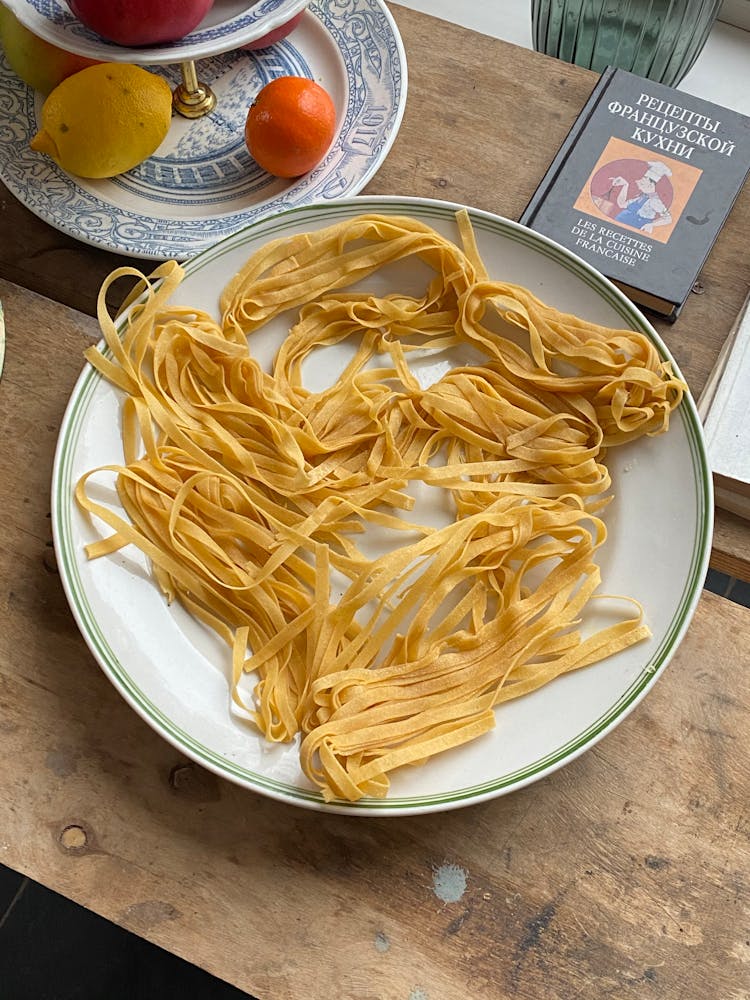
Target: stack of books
724 407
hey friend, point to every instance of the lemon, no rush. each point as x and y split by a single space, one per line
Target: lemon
105 119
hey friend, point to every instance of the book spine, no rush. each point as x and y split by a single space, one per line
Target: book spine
597 94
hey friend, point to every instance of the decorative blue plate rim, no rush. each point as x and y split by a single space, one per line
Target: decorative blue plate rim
53 21
373 63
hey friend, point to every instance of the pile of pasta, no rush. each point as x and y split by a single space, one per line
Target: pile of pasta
251 495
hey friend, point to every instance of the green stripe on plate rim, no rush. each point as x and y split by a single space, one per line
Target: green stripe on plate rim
62 511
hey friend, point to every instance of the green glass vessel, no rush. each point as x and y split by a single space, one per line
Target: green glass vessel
658 39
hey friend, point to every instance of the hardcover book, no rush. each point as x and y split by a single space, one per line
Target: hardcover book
642 185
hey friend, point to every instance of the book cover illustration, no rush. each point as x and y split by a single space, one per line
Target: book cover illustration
642 185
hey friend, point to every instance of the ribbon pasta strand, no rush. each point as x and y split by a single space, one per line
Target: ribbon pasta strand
253 496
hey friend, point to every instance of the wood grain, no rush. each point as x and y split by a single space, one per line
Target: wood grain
482 122
729 553
623 875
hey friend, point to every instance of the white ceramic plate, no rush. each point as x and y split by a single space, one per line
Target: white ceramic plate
174 674
227 25
202 184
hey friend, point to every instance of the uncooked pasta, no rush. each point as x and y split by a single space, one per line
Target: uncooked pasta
253 496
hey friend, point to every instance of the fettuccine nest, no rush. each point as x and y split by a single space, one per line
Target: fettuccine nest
248 492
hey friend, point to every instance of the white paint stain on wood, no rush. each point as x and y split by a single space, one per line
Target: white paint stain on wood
382 942
449 883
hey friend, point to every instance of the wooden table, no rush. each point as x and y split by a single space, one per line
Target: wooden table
623 875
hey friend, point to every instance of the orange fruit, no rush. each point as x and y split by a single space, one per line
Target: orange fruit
290 125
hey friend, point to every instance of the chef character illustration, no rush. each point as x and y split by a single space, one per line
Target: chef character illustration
645 210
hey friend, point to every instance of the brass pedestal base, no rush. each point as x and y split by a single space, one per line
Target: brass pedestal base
192 99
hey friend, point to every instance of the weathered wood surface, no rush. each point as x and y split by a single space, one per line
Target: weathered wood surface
627 874
623 875
482 122
729 553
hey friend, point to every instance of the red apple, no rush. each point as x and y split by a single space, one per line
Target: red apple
141 22
276 35
39 64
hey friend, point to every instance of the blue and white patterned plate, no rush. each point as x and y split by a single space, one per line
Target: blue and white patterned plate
202 184
229 24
